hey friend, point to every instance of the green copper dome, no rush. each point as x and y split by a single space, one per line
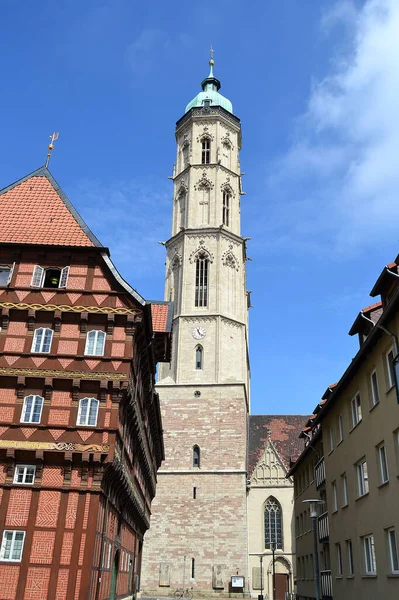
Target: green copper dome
210 94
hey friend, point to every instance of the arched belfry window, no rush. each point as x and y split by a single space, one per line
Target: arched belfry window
199 355
196 456
226 208
201 280
273 524
206 151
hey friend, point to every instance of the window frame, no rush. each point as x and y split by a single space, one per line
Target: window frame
39 275
356 410
351 564
339 559
369 555
206 151
96 336
3 545
331 439
278 532
199 357
340 429
344 480
334 496
79 415
382 463
390 367
4 268
362 479
43 331
202 281
196 456
226 208
393 556
23 412
24 467
375 392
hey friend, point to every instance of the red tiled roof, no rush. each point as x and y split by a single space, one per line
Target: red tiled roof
372 307
284 433
160 313
34 210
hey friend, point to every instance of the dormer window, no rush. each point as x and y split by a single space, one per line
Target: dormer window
51 277
207 103
206 151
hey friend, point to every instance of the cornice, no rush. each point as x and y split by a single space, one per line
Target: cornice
70 308
202 231
61 374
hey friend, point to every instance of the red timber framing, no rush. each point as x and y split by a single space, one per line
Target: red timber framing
80 426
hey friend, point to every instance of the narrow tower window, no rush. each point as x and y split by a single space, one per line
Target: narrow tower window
201 281
206 151
198 358
273 524
226 209
193 568
196 456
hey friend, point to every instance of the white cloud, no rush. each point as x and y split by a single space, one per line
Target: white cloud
346 145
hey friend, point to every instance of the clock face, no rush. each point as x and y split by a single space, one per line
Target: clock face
199 333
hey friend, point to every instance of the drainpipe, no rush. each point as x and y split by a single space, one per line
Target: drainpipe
102 549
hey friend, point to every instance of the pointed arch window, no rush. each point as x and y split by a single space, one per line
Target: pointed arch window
196 456
226 208
185 154
201 280
199 355
273 524
206 151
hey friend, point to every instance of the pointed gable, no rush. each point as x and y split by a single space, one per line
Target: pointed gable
34 210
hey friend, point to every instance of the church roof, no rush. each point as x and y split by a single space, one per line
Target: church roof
35 210
210 92
282 430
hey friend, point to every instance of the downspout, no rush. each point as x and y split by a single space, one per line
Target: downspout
102 549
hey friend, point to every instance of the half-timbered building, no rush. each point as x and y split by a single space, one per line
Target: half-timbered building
80 425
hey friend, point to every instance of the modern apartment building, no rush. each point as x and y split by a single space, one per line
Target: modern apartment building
351 462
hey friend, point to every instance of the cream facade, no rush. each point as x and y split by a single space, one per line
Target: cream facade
198 535
356 432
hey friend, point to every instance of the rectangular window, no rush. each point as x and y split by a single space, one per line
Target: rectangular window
349 551
109 555
87 412
382 463
5 275
194 492
201 281
25 474
331 438
12 546
375 396
362 478
206 151
340 429
369 555
339 560
390 368
344 490
356 410
393 551
193 568
334 495
32 409
42 339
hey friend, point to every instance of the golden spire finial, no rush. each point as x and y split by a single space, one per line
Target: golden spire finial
211 61
53 138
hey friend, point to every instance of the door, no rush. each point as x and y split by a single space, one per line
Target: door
281 585
114 576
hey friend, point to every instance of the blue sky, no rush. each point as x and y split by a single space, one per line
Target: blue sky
316 86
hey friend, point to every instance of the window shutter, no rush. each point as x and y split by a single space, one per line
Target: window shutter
37 276
64 277
10 274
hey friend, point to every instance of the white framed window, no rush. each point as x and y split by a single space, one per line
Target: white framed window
95 342
331 438
6 274
349 551
12 545
25 474
369 555
393 551
88 412
109 555
340 429
390 367
339 559
375 395
42 340
344 490
362 478
382 463
334 495
52 277
356 410
32 409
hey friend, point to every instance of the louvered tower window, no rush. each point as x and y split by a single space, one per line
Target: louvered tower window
201 281
226 209
273 524
206 151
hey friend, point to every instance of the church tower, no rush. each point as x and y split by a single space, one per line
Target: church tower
198 533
